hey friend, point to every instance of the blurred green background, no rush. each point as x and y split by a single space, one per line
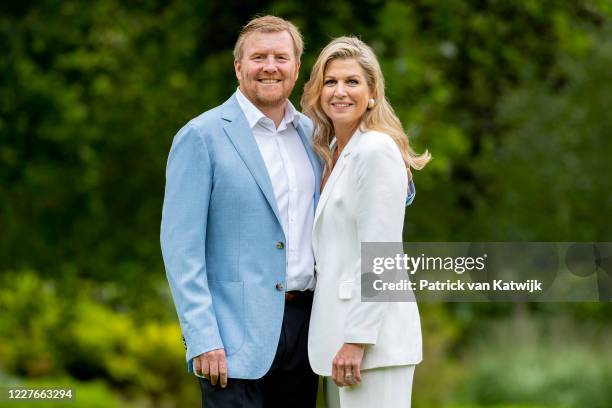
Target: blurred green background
513 99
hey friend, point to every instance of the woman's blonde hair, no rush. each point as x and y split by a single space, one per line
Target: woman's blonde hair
380 117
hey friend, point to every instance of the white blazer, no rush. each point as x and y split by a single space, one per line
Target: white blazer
363 201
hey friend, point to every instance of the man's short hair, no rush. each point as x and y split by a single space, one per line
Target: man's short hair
269 24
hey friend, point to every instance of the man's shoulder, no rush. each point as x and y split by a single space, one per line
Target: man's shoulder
201 128
207 120
304 119
212 119
305 122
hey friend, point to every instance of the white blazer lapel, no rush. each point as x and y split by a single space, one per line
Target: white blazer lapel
329 185
335 174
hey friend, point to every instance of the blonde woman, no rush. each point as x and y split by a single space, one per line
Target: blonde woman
368 350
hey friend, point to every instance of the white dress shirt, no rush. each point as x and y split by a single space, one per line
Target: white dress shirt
293 182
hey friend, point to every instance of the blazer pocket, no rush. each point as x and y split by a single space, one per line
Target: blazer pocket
345 290
228 302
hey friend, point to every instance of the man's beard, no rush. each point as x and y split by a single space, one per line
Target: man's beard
273 102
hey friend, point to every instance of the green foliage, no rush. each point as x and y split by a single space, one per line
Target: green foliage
85 395
572 379
91 96
517 363
48 334
501 406
511 98
436 376
568 139
32 316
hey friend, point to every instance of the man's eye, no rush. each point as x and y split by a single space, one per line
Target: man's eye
282 58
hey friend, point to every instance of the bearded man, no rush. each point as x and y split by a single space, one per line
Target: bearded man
242 183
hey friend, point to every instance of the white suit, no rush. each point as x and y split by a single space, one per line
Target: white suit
362 201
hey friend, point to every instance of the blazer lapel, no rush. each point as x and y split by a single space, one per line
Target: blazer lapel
314 161
241 136
336 173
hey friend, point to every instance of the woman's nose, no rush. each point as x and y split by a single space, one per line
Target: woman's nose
339 91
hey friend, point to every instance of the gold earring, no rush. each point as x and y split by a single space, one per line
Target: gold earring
371 103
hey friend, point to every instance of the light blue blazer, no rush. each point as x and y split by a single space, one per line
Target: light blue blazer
220 235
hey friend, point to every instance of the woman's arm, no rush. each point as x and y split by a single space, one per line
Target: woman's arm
381 183
380 193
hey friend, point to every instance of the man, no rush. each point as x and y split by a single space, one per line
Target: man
242 183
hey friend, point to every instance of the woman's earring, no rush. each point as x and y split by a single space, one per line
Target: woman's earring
371 103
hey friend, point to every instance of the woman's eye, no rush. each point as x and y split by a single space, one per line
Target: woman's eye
353 82
329 82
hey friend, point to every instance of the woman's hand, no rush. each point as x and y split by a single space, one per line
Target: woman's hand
346 365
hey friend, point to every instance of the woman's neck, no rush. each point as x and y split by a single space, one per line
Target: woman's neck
343 134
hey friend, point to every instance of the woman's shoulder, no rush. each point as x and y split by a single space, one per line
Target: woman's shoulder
375 143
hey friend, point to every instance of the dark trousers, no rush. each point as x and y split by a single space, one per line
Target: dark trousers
290 382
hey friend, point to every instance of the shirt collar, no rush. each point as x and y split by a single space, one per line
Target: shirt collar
254 115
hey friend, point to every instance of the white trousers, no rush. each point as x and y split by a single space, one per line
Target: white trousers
388 387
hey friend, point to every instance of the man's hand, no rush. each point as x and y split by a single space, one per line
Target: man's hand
346 365
212 366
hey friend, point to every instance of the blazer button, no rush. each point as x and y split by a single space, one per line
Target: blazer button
280 245
279 286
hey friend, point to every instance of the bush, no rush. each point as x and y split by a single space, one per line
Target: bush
526 366
45 335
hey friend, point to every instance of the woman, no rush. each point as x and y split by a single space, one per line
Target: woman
368 349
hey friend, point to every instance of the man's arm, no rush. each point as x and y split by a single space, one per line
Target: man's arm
411 192
183 240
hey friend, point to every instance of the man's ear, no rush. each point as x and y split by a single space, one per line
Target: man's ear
297 72
237 68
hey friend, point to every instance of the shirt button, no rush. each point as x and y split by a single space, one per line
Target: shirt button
279 286
280 245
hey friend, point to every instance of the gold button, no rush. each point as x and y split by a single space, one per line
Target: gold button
280 245
279 286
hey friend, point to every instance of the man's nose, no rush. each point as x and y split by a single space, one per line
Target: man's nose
270 64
